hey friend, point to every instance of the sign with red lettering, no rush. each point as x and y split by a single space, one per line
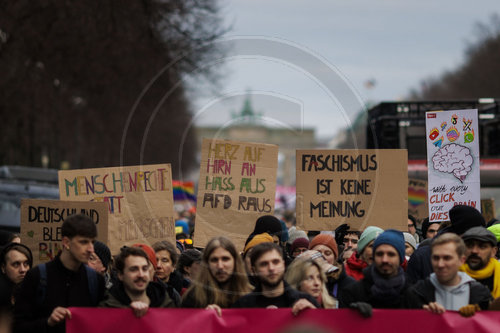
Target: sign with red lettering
453 161
357 187
237 185
101 320
41 222
139 198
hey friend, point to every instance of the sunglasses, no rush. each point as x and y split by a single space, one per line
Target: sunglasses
187 241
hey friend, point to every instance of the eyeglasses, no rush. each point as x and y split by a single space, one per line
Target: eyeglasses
410 225
187 241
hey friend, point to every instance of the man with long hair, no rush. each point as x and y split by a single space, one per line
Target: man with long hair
221 280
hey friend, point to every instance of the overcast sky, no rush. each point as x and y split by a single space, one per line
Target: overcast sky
305 62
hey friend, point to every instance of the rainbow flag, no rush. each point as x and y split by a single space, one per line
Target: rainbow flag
183 190
416 197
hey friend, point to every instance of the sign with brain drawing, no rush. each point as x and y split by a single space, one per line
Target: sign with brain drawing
453 161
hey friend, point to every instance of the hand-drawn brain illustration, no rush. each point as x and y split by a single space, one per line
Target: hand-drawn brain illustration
454 159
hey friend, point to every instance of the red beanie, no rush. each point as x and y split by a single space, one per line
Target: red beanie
298 243
150 253
327 240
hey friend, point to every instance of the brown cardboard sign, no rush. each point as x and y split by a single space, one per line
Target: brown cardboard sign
417 199
237 185
139 199
488 209
357 187
41 222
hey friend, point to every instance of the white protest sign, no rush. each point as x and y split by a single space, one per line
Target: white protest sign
453 161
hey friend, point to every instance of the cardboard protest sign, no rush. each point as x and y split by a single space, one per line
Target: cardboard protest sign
453 161
41 222
417 199
488 209
357 187
139 199
237 185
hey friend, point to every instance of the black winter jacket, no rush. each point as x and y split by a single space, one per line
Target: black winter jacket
256 300
65 288
420 266
360 291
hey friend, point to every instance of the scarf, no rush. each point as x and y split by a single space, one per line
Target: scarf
493 267
385 289
354 267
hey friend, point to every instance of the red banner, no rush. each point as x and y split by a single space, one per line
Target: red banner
97 320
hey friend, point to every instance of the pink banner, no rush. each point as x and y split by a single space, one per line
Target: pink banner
97 320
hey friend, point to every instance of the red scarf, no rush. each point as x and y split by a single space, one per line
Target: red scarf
354 267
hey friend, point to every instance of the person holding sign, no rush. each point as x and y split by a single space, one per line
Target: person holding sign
49 289
135 288
221 280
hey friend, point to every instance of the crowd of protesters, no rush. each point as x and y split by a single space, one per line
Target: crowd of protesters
441 266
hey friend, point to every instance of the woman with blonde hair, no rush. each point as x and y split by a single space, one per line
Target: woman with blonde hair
221 279
306 275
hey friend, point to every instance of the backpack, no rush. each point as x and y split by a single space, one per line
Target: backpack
91 278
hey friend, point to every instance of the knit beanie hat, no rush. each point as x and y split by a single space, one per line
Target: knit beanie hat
150 252
294 233
181 226
327 240
257 239
463 218
393 238
266 224
102 252
269 224
369 234
298 243
410 240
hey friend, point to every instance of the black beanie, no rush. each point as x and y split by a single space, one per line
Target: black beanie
465 217
425 226
266 224
103 253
